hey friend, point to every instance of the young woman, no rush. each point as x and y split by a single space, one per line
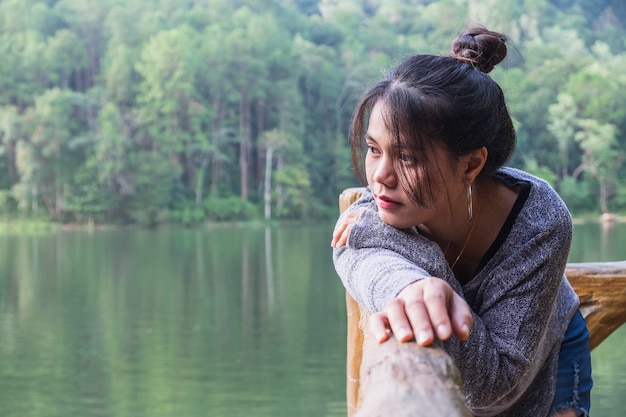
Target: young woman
448 243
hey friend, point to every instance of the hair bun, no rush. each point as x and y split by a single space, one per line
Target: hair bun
479 47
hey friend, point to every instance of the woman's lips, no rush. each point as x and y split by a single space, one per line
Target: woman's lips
386 202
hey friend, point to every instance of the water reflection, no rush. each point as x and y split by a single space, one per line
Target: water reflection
217 321
602 242
269 266
598 242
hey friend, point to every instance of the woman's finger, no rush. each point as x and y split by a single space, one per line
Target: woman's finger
342 238
462 317
436 298
417 313
379 326
401 326
342 229
339 235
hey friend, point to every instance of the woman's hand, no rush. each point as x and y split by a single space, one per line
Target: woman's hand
342 229
423 310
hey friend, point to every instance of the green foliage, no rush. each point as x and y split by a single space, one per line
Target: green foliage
7 203
576 195
618 202
543 172
87 200
151 177
187 215
295 193
136 111
229 209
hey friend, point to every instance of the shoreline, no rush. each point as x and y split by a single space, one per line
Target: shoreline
38 226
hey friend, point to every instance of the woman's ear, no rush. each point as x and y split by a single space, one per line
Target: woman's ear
474 163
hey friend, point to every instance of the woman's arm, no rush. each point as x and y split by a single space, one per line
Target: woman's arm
408 299
511 311
374 264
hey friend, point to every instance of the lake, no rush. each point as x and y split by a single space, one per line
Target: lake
215 321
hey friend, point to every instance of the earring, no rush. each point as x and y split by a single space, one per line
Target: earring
470 206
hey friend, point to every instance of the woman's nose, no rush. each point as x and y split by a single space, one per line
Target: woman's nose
384 172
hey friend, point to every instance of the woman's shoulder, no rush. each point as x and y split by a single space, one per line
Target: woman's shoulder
540 189
543 206
514 176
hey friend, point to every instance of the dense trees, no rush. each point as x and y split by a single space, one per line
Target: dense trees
149 111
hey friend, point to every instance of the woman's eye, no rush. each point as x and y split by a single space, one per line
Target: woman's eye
372 149
406 158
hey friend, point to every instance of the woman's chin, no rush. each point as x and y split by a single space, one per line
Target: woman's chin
399 222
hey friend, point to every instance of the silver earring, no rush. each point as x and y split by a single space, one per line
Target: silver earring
470 206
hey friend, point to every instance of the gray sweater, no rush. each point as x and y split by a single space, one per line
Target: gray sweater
521 301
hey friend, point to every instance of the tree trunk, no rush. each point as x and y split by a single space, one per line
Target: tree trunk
200 178
267 188
604 207
244 145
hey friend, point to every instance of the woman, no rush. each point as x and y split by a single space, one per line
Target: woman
448 243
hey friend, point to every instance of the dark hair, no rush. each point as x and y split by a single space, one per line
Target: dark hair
446 100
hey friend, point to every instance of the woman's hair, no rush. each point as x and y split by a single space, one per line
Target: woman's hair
447 101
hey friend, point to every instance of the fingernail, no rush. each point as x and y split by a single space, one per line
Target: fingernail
402 333
423 336
442 330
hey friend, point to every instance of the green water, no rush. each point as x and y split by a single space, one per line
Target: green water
221 321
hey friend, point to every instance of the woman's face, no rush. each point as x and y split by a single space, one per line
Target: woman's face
395 205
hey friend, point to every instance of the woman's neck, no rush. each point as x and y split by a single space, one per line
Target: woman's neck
464 241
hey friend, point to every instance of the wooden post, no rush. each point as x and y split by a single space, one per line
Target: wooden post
354 353
355 335
601 288
393 378
407 380
404 379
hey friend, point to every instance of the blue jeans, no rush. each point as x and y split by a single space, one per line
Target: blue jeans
573 385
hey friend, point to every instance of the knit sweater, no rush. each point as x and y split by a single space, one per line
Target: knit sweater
520 298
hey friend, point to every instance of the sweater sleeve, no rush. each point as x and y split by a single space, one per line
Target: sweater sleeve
512 307
380 260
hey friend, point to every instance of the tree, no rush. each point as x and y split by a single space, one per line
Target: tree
114 144
86 198
96 93
151 177
272 141
601 158
11 131
255 44
563 125
66 56
86 19
53 147
173 119
295 202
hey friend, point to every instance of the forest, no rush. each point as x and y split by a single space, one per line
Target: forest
150 112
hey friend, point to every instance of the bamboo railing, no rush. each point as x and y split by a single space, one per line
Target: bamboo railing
405 379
